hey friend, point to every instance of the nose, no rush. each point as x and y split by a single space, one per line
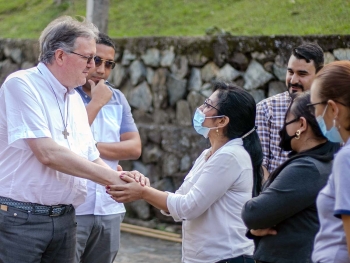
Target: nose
101 68
91 64
294 79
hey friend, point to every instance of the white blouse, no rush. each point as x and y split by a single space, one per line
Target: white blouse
209 203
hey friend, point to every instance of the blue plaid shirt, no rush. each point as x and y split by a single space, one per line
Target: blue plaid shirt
270 114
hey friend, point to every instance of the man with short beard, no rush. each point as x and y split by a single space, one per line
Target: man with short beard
306 60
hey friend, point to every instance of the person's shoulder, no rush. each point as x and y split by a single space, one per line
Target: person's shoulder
278 97
23 73
21 78
117 92
79 90
234 149
342 157
309 166
271 104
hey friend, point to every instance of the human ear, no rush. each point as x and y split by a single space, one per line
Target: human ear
334 108
303 124
59 56
223 121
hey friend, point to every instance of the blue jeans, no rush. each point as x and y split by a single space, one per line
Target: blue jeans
240 259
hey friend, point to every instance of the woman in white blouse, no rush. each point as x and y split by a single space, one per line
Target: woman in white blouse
210 200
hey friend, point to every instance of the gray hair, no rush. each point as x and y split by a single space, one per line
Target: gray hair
61 33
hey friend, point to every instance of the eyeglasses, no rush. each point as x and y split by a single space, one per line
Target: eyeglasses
311 106
208 105
89 58
108 63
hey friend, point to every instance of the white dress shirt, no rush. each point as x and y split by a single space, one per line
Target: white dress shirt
209 203
113 119
29 109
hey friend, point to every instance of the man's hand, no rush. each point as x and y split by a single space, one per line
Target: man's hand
100 93
125 193
263 232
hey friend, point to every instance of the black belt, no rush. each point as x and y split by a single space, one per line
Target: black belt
228 260
36 209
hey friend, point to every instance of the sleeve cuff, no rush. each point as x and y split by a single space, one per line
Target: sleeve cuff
340 212
249 235
16 139
165 213
172 204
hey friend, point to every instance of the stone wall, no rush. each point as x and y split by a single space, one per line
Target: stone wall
166 78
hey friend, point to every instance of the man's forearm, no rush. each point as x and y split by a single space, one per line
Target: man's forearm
126 150
59 158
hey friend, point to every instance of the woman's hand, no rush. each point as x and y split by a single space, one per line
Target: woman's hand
128 192
263 232
140 178
137 176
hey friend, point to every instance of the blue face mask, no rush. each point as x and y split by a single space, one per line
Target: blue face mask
198 119
333 134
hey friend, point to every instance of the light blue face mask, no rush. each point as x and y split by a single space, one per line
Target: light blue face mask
198 119
333 134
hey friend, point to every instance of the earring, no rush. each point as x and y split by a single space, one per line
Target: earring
217 132
335 123
297 135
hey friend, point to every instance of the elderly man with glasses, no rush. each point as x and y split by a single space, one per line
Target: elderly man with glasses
47 150
117 138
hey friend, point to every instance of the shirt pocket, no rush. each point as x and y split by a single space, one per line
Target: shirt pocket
106 127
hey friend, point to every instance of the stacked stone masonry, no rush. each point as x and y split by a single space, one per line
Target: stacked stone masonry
166 78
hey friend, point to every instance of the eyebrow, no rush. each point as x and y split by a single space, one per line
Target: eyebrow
299 71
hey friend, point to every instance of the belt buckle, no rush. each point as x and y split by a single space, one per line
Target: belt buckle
51 213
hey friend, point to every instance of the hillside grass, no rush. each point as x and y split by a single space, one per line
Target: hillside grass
130 18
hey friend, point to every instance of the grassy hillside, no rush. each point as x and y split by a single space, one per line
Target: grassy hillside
26 18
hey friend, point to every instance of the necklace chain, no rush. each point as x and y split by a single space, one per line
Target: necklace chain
64 132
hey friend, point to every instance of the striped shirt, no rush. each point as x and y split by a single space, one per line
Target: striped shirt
270 114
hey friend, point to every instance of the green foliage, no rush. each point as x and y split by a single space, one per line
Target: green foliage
128 18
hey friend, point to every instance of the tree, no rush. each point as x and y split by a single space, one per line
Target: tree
97 13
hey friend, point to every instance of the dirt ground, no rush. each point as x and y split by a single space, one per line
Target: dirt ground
134 248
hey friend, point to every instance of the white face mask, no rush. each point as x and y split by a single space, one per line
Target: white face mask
198 119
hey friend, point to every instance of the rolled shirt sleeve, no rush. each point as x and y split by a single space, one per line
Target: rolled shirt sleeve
26 117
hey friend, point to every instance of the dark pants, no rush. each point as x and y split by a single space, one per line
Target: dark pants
240 259
29 238
98 238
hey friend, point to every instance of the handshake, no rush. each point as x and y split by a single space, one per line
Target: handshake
132 190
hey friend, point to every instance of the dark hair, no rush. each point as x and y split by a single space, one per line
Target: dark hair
105 40
333 83
239 106
308 52
298 107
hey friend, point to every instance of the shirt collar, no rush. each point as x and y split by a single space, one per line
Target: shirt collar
51 79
